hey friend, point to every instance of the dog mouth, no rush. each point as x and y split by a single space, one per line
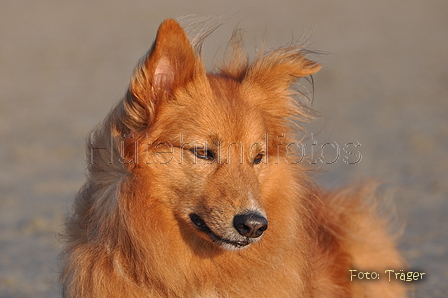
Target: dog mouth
202 227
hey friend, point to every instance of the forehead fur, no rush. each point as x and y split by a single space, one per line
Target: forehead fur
222 111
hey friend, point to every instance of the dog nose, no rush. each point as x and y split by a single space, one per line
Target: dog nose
250 224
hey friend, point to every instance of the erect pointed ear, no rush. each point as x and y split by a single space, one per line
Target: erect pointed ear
278 69
169 64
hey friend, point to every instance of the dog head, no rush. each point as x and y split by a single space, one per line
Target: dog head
206 144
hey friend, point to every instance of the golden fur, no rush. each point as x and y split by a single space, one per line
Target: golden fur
185 143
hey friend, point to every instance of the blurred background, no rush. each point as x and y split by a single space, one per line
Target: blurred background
384 85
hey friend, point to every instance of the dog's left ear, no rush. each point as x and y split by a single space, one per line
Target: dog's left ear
278 69
171 63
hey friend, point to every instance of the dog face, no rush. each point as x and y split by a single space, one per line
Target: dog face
205 141
218 149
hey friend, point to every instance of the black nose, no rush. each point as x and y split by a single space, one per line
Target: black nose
250 224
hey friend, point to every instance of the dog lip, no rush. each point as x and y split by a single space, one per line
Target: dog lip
200 223
202 227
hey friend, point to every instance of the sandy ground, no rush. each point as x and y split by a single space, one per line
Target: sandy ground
63 64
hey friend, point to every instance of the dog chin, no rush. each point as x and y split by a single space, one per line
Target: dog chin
230 244
233 245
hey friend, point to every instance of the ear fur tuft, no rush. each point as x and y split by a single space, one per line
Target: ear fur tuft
281 67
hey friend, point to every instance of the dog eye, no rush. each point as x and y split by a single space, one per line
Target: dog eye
203 153
258 158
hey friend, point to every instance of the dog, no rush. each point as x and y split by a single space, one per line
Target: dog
191 191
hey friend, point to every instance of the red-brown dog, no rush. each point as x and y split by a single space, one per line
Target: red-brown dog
190 194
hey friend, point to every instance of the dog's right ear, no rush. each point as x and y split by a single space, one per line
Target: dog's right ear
169 64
